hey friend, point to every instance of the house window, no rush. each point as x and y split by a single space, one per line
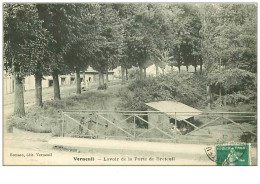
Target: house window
50 83
72 80
63 80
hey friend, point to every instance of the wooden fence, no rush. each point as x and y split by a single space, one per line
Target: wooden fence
208 127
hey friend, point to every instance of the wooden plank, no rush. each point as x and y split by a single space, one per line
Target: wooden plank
193 125
62 126
158 112
134 128
115 125
154 126
71 131
239 125
125 119
203 125
147 130
79 124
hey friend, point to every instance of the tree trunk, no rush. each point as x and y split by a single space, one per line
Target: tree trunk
209 97
220 96
23 85
179 68
78 80
126 74
107 80
141 73
157 70
38 89
225 99
220 64
201 68
144 73
18 97
56 85
187 68
179 60
195 68
123 74
100 79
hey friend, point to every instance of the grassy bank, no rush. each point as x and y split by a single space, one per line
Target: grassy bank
44 120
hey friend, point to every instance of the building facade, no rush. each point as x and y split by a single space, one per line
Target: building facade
91 76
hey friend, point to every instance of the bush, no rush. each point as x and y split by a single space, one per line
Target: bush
32 126
236 98
133 73
239 85
102 87
182 87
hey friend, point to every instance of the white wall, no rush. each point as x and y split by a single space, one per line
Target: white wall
8 84
29 81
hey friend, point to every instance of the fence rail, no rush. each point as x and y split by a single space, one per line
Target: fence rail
207 127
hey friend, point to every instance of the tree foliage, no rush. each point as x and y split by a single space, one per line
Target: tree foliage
25 40
63 38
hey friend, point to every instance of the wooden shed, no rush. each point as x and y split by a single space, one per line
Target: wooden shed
170 112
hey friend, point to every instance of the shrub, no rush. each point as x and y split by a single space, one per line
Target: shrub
182 87
28 125
239 85
102 87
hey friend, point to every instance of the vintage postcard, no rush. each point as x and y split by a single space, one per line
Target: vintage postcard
130 84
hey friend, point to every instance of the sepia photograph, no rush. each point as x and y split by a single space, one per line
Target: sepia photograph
132 84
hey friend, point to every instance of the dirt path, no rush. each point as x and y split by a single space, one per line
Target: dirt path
27 145
78 151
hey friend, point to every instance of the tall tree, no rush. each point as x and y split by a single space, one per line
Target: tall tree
56 21
24 42
83 36
108 46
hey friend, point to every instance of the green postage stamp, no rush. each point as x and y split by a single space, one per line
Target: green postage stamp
233 155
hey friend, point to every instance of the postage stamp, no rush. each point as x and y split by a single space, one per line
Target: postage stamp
233 155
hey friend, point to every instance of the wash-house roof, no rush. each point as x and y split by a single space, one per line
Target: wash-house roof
176 110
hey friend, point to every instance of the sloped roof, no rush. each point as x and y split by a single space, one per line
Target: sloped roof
176 110
90 69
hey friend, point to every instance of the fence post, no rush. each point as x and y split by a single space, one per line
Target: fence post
175 127
96 130
134 127
62 125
